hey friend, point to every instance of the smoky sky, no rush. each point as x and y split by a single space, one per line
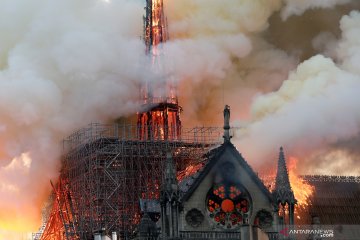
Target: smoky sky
289 76
296 34
287 68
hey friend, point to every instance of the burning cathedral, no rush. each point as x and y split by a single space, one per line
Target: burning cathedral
158 180
225 199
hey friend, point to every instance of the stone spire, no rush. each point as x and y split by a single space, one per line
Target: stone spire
170 181
147 227
283 192
170 201
227 136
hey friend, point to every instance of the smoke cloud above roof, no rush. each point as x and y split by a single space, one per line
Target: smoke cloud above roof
287 68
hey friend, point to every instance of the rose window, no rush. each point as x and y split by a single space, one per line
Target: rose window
227 205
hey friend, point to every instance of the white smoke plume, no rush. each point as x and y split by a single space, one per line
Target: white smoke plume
66 63
217 44
296 113
63 64
298 7
317 107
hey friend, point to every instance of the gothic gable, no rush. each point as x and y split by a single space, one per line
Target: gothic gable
224 194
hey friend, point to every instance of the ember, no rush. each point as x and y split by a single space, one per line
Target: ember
189 170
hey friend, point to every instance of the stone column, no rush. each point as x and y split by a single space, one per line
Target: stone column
246 232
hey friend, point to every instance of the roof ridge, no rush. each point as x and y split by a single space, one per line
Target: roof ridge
212 160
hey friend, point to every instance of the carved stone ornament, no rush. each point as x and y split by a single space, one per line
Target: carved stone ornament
264 219
194 217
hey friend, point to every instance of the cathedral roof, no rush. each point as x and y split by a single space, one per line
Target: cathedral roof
190 184
335 199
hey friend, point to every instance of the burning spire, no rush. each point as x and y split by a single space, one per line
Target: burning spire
161 116
155 28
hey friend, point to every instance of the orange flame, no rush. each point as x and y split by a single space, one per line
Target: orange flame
189 170
302 190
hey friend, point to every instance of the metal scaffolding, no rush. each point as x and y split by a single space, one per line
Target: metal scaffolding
106 170
61 221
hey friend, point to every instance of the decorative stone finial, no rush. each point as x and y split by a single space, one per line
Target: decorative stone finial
170 171
227 123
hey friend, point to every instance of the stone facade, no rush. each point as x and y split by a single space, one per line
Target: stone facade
225 199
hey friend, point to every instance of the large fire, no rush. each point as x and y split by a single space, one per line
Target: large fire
303 191
162 117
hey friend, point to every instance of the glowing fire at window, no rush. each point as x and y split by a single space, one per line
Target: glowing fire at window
227 205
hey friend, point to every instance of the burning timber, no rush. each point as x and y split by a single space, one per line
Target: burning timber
106 169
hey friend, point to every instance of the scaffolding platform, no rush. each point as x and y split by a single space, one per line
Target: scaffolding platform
107 169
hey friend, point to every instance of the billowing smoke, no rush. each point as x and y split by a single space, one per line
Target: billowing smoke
63 64
218 54
315 109
66 63
243 54
298 7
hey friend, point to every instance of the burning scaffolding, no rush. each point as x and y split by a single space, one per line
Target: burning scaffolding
108 168
61 221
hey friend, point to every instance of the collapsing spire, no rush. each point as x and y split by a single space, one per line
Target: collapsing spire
159 118
155 27
283 192
227 123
